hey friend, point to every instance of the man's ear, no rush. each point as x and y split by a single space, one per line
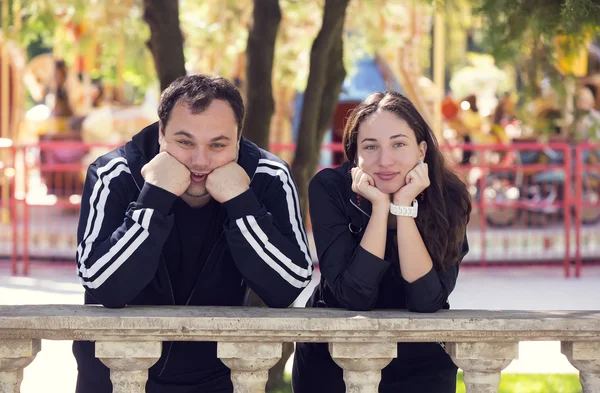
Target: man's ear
422 150
161 137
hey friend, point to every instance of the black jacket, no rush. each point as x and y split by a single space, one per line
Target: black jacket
124 224
355 279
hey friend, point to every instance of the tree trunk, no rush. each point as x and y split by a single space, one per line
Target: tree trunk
166 40
325 80
260 53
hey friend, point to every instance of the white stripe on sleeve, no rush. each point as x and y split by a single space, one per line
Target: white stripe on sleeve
113 169
132 233
262 236
292 203
274 265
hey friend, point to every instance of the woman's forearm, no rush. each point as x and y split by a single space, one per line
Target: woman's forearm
415 261
375 234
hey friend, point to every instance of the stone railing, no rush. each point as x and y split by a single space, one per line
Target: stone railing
249 340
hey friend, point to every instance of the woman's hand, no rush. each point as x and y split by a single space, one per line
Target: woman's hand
417 180
364 185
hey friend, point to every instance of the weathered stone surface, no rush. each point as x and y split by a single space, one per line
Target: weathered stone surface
585 357
249 363
260 324
129 362
362 363
15 355
482 363
128 340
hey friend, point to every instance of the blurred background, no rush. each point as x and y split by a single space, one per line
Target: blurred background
511 88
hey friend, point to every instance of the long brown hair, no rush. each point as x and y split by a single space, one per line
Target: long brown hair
444 212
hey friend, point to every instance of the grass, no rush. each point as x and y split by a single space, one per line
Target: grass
518 383
532 383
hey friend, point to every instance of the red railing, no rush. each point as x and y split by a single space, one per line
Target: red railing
522 201
511 162
54 173
587 192
8 207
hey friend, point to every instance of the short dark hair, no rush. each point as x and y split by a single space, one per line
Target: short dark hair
198 92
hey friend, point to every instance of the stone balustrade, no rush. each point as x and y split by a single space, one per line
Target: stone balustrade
482 343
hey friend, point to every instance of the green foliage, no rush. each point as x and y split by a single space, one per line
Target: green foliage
126 35
118 28
511 25
532 383
215 34
520 33
299 26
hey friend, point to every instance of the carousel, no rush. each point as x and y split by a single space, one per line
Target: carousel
58 114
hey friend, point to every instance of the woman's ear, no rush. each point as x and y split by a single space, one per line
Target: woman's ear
422 150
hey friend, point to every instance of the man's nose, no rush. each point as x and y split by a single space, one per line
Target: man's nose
200 158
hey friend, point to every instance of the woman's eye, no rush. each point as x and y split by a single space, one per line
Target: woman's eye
371 147
399 144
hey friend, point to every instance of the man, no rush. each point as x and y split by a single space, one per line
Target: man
188 213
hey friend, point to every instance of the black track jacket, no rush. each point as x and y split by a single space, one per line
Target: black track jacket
123 227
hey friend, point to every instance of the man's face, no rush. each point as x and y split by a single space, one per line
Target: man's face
201 142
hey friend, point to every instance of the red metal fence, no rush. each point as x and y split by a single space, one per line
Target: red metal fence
533 204
586 203
8 209
519 203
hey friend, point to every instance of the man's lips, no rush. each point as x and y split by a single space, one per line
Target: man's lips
198 176
386 175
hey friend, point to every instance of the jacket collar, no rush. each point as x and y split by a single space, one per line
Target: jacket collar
360 204
143 147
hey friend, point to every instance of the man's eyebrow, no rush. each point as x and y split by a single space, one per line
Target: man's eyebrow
184 133
220 138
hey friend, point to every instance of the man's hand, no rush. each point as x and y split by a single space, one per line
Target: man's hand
226 182
166 172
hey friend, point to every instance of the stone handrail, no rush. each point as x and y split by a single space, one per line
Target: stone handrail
128 340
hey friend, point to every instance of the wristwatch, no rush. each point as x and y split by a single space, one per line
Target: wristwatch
405 211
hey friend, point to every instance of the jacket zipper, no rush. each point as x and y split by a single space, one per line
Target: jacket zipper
189 298
362 211
204 268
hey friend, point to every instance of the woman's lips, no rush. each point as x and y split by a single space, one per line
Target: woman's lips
386 175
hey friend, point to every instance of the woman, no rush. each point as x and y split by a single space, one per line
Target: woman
373 259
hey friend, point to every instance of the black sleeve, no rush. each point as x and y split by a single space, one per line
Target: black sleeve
352 273
120 241
430 292
268 242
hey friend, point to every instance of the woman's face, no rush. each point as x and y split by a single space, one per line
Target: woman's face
387 149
